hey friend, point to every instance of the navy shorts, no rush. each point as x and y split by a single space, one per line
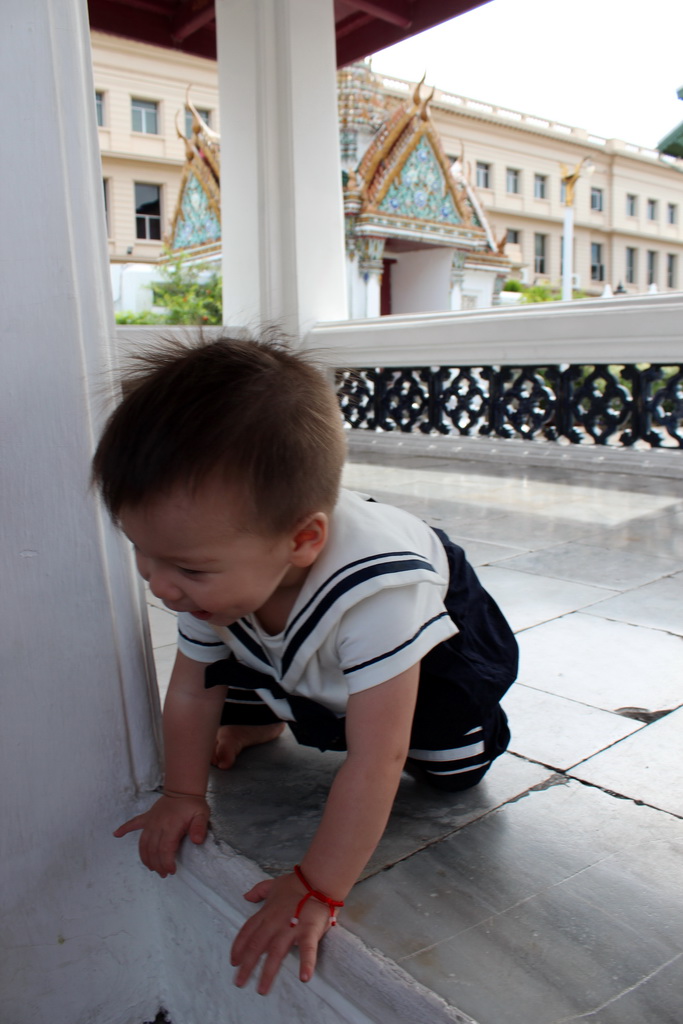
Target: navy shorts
459 727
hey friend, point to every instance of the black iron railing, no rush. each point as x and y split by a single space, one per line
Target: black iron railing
608 405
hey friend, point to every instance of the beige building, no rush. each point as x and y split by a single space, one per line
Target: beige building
627 212
140 93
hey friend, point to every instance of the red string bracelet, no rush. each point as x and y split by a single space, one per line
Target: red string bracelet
319 896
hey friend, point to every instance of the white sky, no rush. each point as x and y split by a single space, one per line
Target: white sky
610 66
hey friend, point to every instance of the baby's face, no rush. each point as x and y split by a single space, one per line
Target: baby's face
198 555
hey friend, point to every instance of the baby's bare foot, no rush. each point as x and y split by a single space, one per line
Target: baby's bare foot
231 740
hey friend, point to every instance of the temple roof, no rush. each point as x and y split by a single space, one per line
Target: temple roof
406 188
197 219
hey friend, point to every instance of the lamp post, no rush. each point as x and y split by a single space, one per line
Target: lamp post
569 180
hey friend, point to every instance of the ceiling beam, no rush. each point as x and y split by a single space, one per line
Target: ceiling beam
352 24
187 22
395 12
158 7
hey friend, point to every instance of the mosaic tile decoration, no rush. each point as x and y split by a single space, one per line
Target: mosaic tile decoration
197 224
420 190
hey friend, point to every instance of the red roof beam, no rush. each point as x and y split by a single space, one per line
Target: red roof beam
186 25
351 24
395 12
145 5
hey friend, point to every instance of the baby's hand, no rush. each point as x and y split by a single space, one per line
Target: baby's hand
163 827
270 932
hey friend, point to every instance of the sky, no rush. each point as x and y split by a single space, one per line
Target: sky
612 67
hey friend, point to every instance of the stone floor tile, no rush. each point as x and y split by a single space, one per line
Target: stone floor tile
435 509
528 600
658 605
163 625
480 552
269 805
544 910
660 535
524 530
559 732
603 664
582 562
646 766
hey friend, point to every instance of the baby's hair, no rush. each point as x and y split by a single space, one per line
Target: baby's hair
249 413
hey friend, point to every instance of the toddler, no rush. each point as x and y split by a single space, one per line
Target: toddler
352 622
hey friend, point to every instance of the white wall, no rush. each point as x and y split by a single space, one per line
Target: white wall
80 939
420 281
131 285
479 285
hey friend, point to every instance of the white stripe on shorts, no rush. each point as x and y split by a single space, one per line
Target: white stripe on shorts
459 771
455 754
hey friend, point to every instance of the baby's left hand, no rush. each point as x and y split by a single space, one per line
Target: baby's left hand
269 931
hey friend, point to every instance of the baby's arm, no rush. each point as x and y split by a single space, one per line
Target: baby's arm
378 725
191 716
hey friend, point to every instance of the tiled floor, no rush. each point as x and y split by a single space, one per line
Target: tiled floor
553 892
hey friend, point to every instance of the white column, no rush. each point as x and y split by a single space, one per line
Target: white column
568 253
76 723
457 279
282 216
370 254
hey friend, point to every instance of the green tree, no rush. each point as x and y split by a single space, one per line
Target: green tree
190 293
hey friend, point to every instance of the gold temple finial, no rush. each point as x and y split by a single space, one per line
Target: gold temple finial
198 122
416 94
424 114
181 135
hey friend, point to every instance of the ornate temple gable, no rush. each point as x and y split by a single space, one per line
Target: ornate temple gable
197 220
406 186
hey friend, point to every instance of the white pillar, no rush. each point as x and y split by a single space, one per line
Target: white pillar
281 200
76 720
457 279
370 255
568 253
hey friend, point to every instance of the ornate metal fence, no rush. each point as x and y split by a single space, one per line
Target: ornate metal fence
609 405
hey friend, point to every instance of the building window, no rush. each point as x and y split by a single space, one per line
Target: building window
671 270
145 117
631 205
512 237
651 267
512 180
539 253
597 200
540 181
597 266
99 108
148 212
630 265
204 114
652 209
672 213
483 175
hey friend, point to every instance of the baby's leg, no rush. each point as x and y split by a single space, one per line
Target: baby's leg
246 721
455 761
231 740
